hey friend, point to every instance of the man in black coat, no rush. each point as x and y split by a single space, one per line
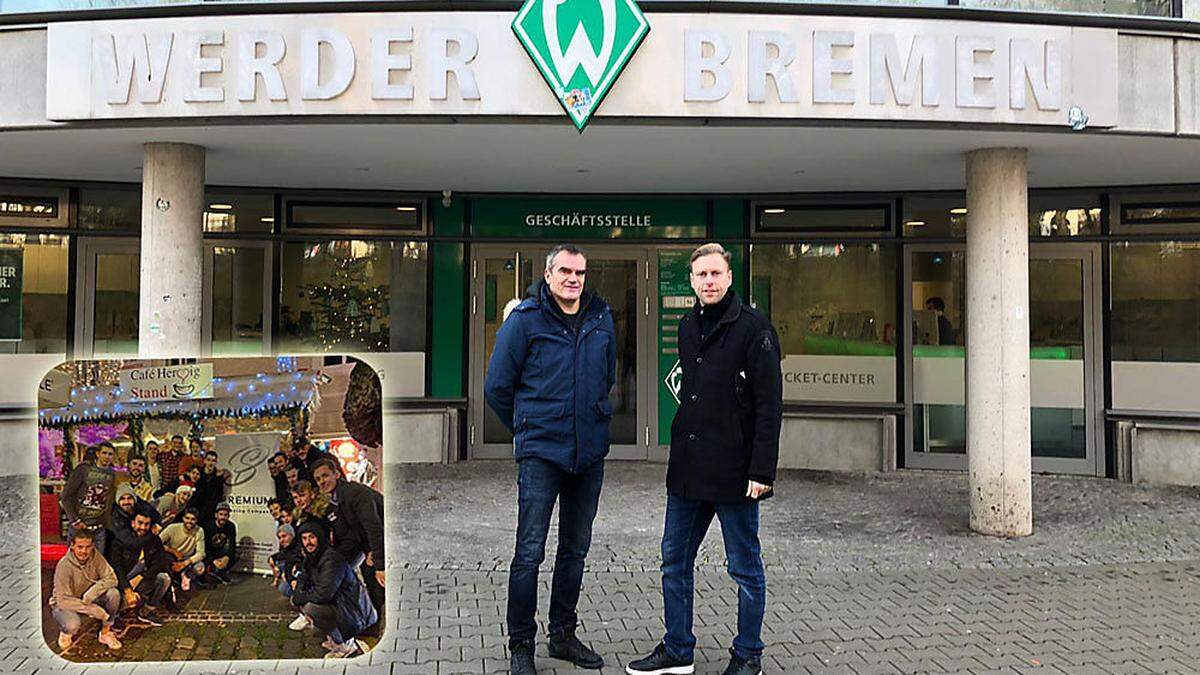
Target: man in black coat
330 594
141 565
355 518
724 448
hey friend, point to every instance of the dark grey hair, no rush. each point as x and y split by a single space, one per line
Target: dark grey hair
562 248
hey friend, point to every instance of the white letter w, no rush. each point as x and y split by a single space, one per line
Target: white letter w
579 51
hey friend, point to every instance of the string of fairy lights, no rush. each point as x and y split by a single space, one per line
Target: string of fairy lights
260 396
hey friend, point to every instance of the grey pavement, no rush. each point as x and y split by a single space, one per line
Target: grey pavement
866 574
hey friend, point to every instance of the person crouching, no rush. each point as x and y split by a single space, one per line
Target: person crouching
330 594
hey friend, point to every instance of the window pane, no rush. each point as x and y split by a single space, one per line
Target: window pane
1051 214
1156 301
804 218
237 300
110 208
1155 325
115 321
939 300
238 212
42 321
834 306
1130 7
28 207
1164 214
353 296
391 216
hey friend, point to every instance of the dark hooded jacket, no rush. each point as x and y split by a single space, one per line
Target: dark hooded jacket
290 560
549 378
122 522
726 431
326 579
128 548
355 517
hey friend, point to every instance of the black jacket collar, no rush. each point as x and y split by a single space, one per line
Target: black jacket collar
732 312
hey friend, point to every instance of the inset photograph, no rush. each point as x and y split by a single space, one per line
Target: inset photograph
211 509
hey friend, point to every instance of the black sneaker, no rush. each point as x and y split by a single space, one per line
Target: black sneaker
149 617
568 648
739 666
521 659
660 663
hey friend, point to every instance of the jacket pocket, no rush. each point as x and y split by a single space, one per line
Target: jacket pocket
604 409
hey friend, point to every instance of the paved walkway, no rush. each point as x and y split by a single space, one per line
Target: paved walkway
866 574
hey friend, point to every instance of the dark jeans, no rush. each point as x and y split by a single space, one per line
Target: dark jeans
325 618
539 485
151 588
686 524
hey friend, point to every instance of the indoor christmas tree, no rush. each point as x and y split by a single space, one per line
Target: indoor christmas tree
349 313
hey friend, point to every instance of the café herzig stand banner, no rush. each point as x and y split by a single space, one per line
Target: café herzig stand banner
246 455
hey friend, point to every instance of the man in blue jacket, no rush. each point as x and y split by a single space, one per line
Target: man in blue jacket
548 381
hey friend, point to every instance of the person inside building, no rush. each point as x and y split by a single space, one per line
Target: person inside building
946 333
329 593
184 541
85 586
142 567
560 455
193 453
285 568
724 451
355 518
277 466
293 476
87 497
137 479
212 485
220 545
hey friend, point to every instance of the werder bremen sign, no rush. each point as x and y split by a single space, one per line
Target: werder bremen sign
580 47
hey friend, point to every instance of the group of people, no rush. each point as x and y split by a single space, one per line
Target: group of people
139 538
135 539
330 562
724 451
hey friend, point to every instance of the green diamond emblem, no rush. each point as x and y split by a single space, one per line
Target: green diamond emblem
580 47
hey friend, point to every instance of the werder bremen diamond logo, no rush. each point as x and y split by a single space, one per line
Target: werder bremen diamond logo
580 47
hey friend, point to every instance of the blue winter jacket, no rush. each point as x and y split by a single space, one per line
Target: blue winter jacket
550 387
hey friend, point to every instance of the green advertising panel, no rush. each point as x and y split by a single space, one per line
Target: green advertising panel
588 218
11 269
675 299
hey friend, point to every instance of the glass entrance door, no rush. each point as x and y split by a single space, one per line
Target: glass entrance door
109 277
1063 351
501 277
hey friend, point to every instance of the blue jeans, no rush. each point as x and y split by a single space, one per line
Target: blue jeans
539 485
686 524
151 590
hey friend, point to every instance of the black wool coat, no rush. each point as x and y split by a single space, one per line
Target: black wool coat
726 431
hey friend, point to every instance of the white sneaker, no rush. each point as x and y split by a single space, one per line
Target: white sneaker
65 640
299 623
109 639
345 650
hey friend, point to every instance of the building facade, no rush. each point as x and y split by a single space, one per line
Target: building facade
900 185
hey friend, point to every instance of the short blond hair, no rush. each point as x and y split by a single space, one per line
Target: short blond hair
711 249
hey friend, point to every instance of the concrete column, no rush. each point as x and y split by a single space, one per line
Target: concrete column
172 260
998 440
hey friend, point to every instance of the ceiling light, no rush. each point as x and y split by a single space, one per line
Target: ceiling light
774 211
914 223
960 211
267 219
221 207
406 208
